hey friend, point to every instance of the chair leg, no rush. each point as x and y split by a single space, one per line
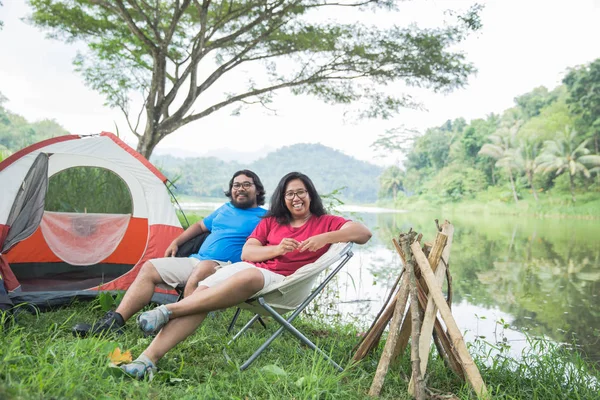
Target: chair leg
286 324
235 317
261 349
262 322
244 329
289 327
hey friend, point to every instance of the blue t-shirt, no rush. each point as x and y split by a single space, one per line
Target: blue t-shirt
229 227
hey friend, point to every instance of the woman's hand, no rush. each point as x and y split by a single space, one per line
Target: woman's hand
171 250
314 243
287 245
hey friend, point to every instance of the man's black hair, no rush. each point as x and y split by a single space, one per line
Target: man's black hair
260 189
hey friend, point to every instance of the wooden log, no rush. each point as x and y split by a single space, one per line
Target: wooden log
471 372
372 337
373 334
390 343
377 318
405 332
417 377
406 327
442 246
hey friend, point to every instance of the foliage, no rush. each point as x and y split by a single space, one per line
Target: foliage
88 190
583 84
547 131
164 51
568 154
454 183
39 358
16 132
4 152
391 181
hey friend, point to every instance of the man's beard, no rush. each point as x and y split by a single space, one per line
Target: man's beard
248 202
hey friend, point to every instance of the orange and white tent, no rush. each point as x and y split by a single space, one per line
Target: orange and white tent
48 258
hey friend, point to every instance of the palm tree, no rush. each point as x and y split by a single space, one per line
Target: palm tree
502 150
392 180
566 154
525 159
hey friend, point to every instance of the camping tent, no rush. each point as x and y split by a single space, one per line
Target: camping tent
49 256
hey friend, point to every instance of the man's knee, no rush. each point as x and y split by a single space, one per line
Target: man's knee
149 271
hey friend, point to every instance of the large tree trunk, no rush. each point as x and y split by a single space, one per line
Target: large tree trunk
148 141
530 179
512 186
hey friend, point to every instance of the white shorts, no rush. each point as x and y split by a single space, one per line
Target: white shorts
223 274
175 271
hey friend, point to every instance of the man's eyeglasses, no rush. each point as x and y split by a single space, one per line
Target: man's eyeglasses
301 193
245 185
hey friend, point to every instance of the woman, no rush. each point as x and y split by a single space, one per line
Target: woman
296 231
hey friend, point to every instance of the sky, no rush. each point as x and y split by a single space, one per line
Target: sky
523 44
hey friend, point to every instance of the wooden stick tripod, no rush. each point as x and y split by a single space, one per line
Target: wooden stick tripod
422 278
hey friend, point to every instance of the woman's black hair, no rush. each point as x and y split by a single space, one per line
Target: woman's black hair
260 189
278 207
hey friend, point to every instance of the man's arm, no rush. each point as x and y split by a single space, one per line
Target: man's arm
191 232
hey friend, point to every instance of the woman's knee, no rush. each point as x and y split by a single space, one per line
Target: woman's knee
253 278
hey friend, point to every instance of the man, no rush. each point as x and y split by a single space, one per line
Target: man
229 226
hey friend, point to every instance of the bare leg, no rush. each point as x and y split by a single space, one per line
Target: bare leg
189 313
204 269
230 292
140 292
174 332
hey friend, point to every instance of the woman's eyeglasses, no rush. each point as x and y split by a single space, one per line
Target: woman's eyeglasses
301 193
245 185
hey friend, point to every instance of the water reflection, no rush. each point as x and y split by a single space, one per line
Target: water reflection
540 276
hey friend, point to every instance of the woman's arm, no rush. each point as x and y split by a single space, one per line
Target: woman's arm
349 232
254 250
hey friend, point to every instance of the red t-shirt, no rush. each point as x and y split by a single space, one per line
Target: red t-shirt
270 233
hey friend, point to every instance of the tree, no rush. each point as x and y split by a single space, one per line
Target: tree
525 159
172 53
391 180
583 84
531 103
568 154
502 149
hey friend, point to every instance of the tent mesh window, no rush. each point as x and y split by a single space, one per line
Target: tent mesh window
88 190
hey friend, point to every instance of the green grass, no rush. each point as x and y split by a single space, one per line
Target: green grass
40 359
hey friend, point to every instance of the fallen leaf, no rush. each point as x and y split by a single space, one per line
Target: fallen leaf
116 357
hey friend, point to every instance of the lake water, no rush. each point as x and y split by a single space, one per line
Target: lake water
540 276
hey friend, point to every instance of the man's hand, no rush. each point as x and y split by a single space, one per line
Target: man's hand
313 243
287 245
171 250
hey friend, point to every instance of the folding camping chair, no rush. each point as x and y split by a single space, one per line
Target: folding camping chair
294 293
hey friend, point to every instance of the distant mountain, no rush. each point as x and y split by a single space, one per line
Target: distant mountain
244 157
329 169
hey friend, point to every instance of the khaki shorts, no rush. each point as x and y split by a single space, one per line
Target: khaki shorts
175 271
223 274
